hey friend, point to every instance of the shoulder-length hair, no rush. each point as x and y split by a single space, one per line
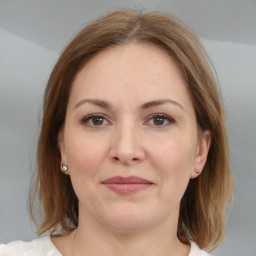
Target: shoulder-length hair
203 206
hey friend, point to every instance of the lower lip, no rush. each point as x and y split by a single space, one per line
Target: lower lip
127 189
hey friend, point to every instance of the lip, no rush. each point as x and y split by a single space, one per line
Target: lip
127 185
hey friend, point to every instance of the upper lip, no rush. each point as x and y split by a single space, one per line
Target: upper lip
126 180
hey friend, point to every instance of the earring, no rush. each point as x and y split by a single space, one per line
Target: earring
198 171
64 168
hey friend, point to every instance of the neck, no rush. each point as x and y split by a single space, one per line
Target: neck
97 240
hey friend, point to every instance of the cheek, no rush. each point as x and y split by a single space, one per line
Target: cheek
85 154
175 154
173 161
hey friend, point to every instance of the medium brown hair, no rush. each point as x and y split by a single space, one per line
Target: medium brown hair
203 206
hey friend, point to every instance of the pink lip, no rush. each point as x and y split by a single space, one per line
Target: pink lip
127 185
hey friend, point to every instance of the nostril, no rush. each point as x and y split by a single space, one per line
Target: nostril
117 159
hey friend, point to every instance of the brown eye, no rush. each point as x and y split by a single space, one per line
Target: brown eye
97 120
158 120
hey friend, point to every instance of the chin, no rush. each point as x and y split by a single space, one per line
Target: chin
127 220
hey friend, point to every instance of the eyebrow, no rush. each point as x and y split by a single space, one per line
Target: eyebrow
161 102
97 102
106 105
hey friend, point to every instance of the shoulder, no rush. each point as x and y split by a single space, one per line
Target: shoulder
196 251
39 247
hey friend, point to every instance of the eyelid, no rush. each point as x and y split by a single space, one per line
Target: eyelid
87 118
165 116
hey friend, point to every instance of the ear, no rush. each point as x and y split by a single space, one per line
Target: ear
203 146
61 146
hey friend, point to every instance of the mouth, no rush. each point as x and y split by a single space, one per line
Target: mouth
127 185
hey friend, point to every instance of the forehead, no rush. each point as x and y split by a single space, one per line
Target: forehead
141 57
130 70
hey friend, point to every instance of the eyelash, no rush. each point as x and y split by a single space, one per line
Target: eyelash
164 117
90 117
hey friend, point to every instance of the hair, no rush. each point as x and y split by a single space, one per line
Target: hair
203 207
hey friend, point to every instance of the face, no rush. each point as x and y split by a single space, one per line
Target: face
130 138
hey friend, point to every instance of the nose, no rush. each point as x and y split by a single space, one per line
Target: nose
126 146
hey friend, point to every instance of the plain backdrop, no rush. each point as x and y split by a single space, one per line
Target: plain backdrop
24 70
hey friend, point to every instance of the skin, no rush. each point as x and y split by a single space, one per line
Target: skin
126 140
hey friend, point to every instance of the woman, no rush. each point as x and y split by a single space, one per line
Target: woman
133 156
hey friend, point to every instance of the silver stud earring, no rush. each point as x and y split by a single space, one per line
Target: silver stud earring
198 171
64 168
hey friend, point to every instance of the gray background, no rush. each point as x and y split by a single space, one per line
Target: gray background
32 35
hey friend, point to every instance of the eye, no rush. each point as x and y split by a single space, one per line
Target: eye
95 120
160 120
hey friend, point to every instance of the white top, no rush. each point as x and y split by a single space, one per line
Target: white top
45 247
